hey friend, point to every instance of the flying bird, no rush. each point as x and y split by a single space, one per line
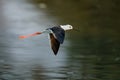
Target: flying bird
56 33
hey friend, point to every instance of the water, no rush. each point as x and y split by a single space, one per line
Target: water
92 53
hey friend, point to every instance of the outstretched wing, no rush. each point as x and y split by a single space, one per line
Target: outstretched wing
55 44
59 33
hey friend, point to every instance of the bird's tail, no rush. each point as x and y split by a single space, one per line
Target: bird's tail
30 35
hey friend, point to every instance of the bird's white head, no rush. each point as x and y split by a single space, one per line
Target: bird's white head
66 27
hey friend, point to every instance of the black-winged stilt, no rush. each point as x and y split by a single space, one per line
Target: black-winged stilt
56 33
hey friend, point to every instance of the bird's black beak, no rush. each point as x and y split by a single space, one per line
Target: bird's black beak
76 29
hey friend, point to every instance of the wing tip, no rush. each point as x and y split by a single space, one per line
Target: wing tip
55 53
55 44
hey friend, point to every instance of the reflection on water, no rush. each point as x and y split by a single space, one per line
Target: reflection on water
32 58
91 54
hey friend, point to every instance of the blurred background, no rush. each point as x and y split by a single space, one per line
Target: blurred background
91 53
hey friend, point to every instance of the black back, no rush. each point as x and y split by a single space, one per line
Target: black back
59 33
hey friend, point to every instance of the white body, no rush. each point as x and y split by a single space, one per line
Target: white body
66 27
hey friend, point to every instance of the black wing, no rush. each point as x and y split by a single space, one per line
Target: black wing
55 44
59 33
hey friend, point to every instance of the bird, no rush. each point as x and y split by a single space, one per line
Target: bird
56 35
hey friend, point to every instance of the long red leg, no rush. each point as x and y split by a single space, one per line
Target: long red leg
30 35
